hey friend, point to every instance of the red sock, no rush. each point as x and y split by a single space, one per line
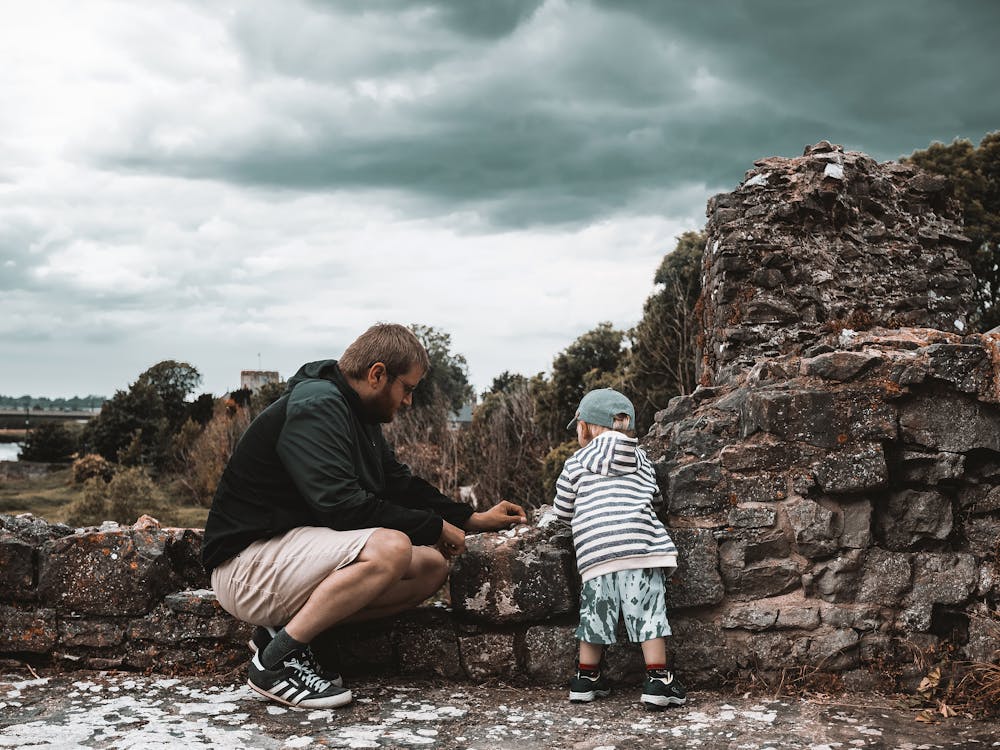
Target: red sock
656 666
589 667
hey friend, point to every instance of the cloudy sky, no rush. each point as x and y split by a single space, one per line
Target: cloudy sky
235 184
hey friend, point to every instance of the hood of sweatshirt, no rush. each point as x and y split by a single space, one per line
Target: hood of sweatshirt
310 371
612 454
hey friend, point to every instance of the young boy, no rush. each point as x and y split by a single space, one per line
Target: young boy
606 491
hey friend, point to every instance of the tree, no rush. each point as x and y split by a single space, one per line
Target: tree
449 373
420 434
136 426
664 351
503 448
593 360
975 176
51 442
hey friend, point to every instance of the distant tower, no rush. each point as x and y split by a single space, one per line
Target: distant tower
254 380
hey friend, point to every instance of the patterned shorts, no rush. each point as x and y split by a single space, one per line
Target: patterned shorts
637 594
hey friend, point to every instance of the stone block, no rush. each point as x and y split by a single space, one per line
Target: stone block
752 516
756 457
983 645
488 656
978 499
834 650
840 366
515 577
761 580
125 572
817 529
91 633
886 576
930 468
758 488
32 631
982 536
766 545
968 367
798 617
800 415
703 653
854 469
835 580
857 524
17 568
696 582
772 651
196 602
943 578
697 488
366 648
861 617
426 643
184 550
911 516
754 616
929 421
623 661
551 653
167 627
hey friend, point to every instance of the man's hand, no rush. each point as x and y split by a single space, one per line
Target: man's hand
452 541
503 515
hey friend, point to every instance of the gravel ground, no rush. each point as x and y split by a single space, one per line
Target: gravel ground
123 710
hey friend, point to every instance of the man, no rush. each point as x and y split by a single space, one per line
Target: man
315 522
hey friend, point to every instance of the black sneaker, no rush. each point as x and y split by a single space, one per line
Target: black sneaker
295 684
263 635
586 686
663 689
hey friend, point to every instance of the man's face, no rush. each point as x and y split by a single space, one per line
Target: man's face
394 393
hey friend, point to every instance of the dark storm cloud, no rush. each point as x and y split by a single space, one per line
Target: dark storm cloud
563 112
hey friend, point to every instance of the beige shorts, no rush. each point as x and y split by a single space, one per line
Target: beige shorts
269 581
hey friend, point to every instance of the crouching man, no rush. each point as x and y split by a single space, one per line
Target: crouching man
315 522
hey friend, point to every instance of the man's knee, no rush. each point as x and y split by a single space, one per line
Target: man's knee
430 566
391 550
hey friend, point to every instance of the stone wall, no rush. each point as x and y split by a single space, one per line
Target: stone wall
841 470
833 486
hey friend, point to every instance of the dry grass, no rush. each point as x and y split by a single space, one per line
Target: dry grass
51 496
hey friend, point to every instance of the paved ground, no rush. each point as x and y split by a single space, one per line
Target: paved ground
119 710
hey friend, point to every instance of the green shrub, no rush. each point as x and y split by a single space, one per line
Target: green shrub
90 466
50 442
553 466
128 495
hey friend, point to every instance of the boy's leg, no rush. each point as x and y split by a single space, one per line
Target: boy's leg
654 652
645 614
590 655
599 609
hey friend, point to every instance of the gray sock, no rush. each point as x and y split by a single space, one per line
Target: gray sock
280 647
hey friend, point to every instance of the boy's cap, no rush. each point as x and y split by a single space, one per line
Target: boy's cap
601 406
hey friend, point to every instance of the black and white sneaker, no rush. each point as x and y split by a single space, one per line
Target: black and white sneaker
263 635
296 684
586 686
663 689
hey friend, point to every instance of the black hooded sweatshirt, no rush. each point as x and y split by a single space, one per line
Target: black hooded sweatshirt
312 459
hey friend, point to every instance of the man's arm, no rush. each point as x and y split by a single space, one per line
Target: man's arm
413 492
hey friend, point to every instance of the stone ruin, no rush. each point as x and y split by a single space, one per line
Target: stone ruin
833 484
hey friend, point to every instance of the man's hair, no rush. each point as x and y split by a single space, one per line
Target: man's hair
393 345
622 423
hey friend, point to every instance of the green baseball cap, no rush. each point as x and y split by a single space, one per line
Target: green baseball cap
601 406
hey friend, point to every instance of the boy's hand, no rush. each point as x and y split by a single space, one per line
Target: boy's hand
452 540
503 515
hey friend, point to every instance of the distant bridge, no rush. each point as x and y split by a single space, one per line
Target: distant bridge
25 419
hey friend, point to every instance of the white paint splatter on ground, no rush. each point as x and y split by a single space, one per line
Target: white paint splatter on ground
125 711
